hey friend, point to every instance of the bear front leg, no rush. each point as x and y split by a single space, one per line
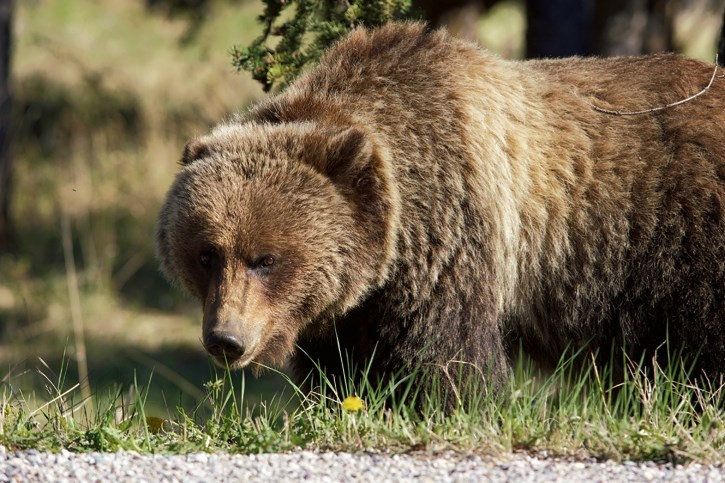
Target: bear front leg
450 344
457 355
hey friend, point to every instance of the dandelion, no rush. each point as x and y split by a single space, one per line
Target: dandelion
352 404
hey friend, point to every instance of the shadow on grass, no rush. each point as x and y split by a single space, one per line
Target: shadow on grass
131 272
169 378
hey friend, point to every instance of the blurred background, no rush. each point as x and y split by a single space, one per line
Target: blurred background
98 97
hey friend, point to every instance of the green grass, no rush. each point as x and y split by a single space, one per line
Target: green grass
660 416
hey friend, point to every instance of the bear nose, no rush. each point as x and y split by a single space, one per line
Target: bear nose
224 345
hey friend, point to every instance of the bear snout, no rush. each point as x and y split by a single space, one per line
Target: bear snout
224 345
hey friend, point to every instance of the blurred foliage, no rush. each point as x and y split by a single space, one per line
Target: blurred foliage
289 42
194 11
50 115
99 121
180 6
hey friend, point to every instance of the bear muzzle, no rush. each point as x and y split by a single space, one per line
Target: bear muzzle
224 346
233 332
230 346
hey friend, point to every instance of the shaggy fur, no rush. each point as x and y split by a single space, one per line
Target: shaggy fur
429 202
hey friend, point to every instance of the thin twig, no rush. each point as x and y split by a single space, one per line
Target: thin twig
75 307
59 397
661 108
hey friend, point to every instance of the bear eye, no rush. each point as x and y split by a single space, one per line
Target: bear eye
266 261
207 257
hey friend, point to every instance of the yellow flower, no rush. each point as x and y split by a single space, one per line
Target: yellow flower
352 404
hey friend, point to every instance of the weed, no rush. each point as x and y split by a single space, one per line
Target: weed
654 413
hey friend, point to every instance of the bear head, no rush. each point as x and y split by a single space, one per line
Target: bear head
276 229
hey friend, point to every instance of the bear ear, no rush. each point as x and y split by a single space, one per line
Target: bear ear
194 150
348 152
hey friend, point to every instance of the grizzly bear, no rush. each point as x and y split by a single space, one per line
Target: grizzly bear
419 201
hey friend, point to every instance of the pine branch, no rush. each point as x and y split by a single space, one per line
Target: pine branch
307 33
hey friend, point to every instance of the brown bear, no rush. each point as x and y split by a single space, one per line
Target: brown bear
420 201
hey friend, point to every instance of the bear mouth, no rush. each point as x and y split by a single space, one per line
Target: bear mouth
233 363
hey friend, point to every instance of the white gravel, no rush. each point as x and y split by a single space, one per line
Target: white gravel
128 466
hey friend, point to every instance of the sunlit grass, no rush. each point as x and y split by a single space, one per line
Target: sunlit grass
654 413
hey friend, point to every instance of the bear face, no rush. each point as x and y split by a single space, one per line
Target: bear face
263 226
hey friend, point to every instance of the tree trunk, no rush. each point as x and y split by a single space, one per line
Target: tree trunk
632 27
721 45
458 16
6 9
557 28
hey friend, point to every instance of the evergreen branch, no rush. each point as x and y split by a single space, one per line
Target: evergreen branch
301 40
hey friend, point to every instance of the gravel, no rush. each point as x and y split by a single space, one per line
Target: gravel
128 466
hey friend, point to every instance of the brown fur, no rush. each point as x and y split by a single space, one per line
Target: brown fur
430 202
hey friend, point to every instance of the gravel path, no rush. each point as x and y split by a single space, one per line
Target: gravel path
129 466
